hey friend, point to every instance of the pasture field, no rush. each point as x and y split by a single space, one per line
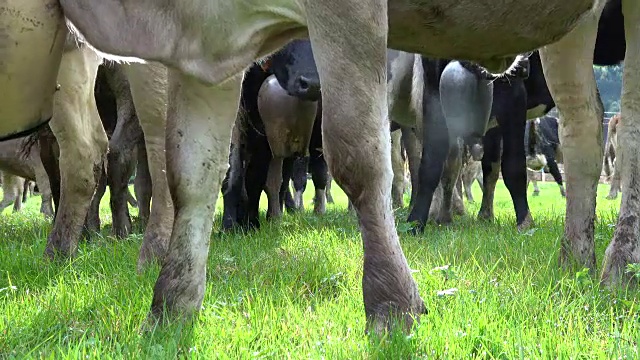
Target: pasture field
293 291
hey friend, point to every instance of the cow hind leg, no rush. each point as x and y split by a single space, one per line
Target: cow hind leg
83 144
624 248
397 187
568 68
142 186
148 84
199 122
358 152
490 173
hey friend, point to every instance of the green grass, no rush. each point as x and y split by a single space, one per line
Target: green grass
293 290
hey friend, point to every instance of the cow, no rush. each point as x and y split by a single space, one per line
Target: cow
210 43
610 152
543 132
274 125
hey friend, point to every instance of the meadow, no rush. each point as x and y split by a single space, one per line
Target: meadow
292 290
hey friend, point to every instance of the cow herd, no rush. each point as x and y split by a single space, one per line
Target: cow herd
229 95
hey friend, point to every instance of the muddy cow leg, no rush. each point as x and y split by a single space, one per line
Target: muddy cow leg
142 186
199 122
83 145
92 221
148 84
624 248
358 150
442 207
397 187
490 172
17 203
512 122
568 68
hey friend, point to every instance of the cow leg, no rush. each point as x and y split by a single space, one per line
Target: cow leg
148 84
490 172
321 182
142 185
624 248
412 147
92 221
46 207
531 176
199 122
614 187
555 171
288 168
467 178
83 145
25 190
441 207
435 149
232 186
272 188
397 186
18 189
9 182
285 185
357 149
49 154
568 68
300 181
328 187
255 182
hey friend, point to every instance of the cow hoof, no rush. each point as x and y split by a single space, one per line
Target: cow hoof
485 216
526 224
536 193
612 197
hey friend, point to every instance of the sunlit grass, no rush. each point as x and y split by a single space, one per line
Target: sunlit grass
293 290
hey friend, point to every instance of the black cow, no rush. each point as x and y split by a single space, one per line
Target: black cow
295 71
609 50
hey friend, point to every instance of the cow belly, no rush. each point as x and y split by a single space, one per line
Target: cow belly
32 35
483 31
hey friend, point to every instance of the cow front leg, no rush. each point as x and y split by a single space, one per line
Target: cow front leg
83 144
531 177
568 68
142 185
199 122
148 84
357 144
624 249
321 183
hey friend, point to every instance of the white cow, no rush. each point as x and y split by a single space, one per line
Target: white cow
207 44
